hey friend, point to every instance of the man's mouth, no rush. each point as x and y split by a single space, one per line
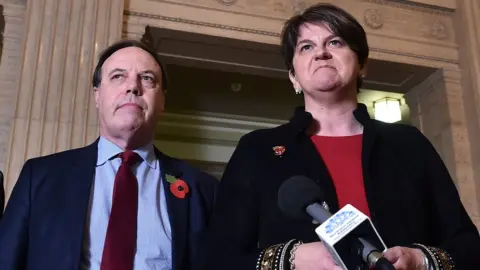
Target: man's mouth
130 104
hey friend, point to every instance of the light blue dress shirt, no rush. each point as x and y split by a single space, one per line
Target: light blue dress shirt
153 226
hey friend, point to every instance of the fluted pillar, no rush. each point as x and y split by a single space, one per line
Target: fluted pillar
468 37
54 109
12 27
438 109
446 107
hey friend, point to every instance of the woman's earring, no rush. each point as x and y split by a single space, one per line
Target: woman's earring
298 90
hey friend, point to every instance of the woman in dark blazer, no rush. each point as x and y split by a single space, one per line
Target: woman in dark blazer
391 172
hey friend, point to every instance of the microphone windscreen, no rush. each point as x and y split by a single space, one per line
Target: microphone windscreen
296 193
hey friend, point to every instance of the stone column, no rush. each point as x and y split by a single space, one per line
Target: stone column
467 26
54 109
438 110
12 22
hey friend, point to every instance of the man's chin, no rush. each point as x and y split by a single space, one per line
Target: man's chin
131 126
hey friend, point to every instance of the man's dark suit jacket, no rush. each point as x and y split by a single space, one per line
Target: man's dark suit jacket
2 195
44 222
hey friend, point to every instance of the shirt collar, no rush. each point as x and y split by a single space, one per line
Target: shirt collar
107 150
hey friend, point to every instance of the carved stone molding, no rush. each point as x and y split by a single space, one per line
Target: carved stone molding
438 30
413 7
200 23
271 9
282 9
153 17
419 56
17 2
299 5
279 6
401 23
373 18
227 2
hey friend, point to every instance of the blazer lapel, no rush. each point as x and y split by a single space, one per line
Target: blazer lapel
308 157
317 169
177 211
369 137
81 178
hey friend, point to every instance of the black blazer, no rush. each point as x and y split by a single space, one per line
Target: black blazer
44 221
410 193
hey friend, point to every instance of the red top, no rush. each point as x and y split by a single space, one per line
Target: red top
343 158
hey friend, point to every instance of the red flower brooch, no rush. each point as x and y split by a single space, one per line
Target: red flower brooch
278 150
178 187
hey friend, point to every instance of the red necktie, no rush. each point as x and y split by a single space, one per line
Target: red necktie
121 238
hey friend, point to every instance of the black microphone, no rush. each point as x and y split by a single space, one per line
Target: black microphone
301 198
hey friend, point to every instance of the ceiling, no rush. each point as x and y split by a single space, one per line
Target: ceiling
228 76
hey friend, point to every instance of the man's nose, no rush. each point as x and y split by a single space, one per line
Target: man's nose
134 87
133 90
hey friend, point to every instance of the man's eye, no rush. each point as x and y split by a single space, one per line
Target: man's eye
147 78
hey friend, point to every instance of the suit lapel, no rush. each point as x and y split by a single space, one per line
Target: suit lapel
81 178
177 210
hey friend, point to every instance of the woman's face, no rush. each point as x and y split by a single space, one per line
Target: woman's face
322 61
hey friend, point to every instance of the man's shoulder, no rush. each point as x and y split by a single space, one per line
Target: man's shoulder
59 158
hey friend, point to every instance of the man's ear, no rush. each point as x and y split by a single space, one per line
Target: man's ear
96 95
162 102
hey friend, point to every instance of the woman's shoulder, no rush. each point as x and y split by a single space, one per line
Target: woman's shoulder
267 135
400 133
398 129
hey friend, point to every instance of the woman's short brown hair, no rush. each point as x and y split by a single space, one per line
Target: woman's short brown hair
340 22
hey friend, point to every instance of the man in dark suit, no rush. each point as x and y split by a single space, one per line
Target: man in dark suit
2 195
118 203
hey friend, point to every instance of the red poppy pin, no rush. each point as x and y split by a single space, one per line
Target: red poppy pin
178 187
278 150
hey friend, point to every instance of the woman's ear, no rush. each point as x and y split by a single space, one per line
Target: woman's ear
291 75
364 69
295 83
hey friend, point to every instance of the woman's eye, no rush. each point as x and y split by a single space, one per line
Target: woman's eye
305 47
336 43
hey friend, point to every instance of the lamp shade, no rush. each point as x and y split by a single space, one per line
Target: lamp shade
387 110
